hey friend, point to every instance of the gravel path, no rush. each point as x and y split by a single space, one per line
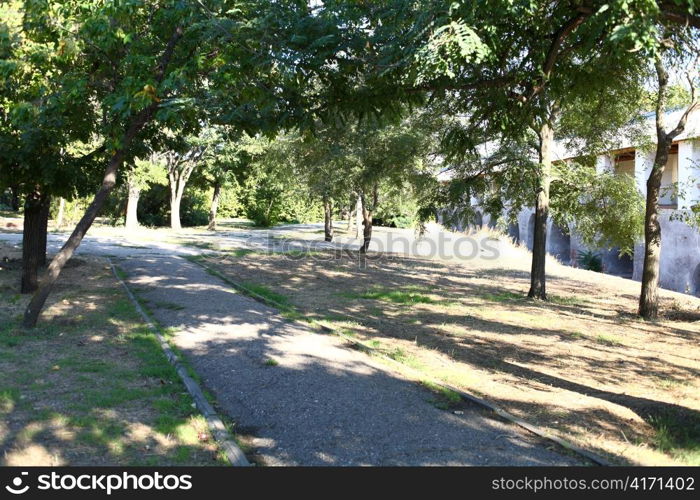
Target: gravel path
317 402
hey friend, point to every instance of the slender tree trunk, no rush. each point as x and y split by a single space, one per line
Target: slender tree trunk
214 207
132 204
178 176
367 220
32 241
649 297
61 213
358 217
14 200
328 218
351 211
31 313
649 300
538 275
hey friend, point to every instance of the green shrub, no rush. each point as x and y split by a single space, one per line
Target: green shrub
591 261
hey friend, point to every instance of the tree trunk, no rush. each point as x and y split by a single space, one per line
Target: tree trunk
44 229
14 200
350 214
328 219
32 240
175 212
132 204
358 217
31 313
61 213
649 297
367 221
214 207
649 300
538 275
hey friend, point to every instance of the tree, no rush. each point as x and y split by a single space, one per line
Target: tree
138 177
273 188
322 164
365 160
179 164
141 67
684 50
507 80
45 128
226 167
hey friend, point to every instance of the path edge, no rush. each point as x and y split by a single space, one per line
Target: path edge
233 452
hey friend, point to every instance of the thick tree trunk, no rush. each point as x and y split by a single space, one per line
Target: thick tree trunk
175 212
132 203
538 288
214 207
328 219
32 241
61 213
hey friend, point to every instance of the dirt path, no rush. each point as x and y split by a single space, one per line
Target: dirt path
300 398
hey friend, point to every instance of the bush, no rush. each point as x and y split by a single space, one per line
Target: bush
591 261
194 209
229 203
154 207
268 204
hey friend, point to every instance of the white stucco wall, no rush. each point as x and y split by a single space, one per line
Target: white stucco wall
643 161
688 173
680 254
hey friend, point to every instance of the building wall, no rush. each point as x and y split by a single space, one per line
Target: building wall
688 173
680 255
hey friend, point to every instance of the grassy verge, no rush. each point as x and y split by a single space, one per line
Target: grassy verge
90 385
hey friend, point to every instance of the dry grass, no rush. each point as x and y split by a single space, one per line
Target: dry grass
582 365
90 386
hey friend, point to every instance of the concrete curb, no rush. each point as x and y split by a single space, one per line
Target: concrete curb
596 459
234 454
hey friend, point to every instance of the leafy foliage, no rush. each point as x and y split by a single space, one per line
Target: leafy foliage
590 261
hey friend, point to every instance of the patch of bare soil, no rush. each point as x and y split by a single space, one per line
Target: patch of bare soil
581 365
